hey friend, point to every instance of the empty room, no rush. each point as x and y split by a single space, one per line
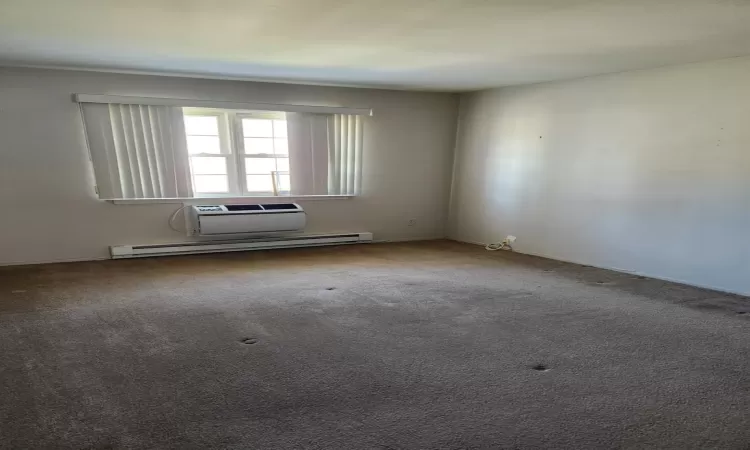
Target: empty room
392 225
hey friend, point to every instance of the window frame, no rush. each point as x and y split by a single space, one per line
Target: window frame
232 146
240 137
226 148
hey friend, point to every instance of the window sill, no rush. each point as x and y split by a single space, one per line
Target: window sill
226 200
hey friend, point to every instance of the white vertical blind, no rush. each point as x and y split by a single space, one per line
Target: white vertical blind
345 140
308 153
138 151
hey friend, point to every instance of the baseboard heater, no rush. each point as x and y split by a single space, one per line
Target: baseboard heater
140 251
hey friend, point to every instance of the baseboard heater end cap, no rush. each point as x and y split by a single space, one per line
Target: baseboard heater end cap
121 251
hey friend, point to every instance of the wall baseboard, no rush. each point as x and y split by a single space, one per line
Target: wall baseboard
51 261
416 239
620 270
107 258
433 238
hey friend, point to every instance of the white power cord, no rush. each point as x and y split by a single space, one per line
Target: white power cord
173 216
504 245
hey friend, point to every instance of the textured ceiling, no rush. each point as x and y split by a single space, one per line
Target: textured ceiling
449 45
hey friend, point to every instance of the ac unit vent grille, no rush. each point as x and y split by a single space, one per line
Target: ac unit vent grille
243 207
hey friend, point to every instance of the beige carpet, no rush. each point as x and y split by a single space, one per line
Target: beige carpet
398 346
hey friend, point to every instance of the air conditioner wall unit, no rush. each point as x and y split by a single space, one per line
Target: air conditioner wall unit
213 220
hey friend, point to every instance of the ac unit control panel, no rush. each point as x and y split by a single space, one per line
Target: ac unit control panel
202 209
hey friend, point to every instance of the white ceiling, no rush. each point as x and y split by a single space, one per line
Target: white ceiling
423 44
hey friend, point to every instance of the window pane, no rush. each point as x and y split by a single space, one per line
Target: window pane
257 127
279 128
282 164
208 165
202 125
262 145
284 183
203 144
211 183
259 183
258 166
281 146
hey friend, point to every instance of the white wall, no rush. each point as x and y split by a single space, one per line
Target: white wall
49 212
646 171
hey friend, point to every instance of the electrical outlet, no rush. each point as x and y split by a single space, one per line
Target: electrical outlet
412 222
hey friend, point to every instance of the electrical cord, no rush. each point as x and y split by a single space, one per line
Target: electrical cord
173 216
504 245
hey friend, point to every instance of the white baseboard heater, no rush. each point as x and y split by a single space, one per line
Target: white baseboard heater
187 248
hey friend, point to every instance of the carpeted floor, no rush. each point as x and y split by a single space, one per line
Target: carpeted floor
432 345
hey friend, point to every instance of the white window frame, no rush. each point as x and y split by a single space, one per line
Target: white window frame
232 144
226 146
240 137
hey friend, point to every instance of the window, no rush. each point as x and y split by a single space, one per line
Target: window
266 154
154 150
211 159
254 162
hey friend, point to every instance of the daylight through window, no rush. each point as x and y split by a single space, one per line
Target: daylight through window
238 153
144 151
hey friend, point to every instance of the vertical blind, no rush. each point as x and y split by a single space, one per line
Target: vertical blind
345 139
138 151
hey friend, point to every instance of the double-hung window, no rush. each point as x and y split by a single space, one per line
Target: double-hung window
237 153
212 159
265 153
182 151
